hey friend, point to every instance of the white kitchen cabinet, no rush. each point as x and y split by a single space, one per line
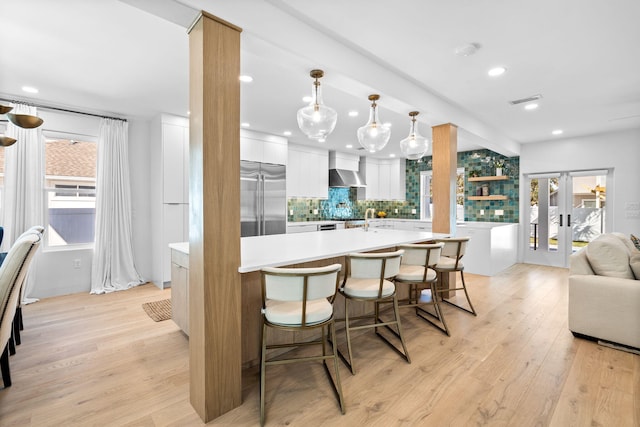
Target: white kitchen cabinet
262 147
180 289
169 175
385 178
307 172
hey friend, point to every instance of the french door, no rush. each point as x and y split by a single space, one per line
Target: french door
566 210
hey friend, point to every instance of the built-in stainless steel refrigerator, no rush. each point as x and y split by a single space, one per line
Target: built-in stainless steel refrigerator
263 199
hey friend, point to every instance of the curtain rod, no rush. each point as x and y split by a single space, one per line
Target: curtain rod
48 107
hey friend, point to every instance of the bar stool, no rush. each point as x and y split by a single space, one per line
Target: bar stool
369 278
299 299
450 262
417 271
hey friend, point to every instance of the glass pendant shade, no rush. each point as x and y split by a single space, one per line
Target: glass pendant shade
373 136
316 120
415 145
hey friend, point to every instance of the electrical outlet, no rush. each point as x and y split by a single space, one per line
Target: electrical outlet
413 211
395 211
290 211
481 211
315 211
76 263
499 212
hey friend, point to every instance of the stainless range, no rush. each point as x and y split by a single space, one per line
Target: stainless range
354 223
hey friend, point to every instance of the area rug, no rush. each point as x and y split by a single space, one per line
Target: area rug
619 347
158 310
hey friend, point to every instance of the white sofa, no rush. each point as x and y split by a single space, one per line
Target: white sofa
604 291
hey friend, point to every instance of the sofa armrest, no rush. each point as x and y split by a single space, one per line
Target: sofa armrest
604 307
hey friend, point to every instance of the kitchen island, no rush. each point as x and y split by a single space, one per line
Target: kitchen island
292 250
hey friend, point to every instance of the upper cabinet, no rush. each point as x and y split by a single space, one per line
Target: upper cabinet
385 178
307 172
262 147
175 161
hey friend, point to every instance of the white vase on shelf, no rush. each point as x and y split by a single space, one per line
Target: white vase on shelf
498 171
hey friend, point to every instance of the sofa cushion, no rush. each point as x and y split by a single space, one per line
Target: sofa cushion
609 256
634 263
628 243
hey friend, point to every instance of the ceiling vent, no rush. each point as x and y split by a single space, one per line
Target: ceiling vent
523 100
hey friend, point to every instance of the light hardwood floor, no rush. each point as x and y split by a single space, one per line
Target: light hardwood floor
98 360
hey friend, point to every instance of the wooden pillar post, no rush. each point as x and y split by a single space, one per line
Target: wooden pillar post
215 350
445 165
443 186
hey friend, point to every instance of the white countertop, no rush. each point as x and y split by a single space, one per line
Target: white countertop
286 249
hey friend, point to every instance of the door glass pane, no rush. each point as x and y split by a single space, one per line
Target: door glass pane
588 202
544 219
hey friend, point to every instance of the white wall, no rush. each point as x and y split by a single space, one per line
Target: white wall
53 272
620 151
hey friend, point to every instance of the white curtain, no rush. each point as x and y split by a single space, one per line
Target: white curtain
22 199
113 267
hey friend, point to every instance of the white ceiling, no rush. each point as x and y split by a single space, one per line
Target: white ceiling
115 57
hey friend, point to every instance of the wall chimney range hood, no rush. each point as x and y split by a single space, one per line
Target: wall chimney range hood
345 178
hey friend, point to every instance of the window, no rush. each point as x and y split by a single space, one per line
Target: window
426 195
70 187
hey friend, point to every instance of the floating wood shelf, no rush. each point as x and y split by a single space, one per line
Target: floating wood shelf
488 178
493 197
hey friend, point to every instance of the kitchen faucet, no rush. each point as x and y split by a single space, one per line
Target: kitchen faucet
366 217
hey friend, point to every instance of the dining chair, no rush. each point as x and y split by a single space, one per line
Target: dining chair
18 324
369 279
295 300
11 273
451 262
417 271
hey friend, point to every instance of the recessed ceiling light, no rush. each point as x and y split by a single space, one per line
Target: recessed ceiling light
557 132
531 106
349 146
246 79
30 89
497 71
245 125
307 99
287 133
392 155
387 124
322 139
353 113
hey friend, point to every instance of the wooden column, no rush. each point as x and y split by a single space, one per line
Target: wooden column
215 350
445 165
443 187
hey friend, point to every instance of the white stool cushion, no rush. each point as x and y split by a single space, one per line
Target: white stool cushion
446 263
368 288
414 273
290 312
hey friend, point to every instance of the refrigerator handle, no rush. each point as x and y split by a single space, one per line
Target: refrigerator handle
257 212
264 222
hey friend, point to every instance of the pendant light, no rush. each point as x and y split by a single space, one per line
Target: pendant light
6 141
415 145
316 120
25 121
373 136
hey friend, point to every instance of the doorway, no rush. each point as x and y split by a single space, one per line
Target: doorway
566 210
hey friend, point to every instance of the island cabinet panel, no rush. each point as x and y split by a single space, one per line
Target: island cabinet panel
307 172
180 289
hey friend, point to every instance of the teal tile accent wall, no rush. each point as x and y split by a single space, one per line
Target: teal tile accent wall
482 162
344 203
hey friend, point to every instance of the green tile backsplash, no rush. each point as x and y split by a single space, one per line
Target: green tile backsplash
344 203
